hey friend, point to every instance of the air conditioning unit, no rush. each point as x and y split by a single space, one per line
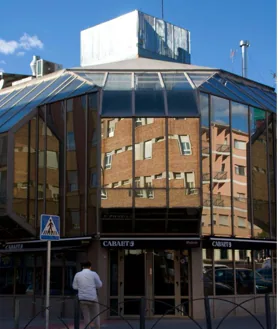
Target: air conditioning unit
44 67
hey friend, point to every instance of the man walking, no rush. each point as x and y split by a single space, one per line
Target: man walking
87 282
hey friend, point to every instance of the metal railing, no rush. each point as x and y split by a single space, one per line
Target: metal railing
266 323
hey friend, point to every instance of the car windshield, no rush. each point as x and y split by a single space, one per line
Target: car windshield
249 274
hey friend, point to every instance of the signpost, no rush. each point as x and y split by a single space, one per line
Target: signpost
49 231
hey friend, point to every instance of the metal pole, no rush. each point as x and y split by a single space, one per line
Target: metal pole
244 44
142 313
47 285
208 313
162 8
267 312
16 314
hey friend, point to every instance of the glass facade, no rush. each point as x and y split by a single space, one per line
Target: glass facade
151 152
160 156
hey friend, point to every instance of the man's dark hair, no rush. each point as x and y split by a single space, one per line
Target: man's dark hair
86 264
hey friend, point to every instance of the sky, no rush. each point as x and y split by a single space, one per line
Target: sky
51 29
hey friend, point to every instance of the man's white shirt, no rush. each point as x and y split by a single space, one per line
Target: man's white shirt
87 282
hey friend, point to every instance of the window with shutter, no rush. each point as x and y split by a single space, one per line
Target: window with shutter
148 150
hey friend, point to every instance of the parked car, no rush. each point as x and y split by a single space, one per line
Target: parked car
244 280
266 273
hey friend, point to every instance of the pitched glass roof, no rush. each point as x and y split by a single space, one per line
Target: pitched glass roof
239 92
170 91
17 102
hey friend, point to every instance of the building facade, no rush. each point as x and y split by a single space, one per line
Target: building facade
163 174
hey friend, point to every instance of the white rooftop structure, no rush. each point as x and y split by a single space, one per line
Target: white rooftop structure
134 35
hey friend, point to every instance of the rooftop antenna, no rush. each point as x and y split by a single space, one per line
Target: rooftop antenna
162 8
244 44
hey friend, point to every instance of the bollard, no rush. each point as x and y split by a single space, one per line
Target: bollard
267 311
16 313
142 313
76 314
208 314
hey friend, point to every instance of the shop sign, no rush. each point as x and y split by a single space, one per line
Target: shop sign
221 244
118 243
16 246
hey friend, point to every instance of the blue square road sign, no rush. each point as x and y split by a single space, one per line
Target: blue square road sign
50 228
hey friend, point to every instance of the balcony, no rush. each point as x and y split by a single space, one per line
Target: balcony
206 178
219 176
218 200
205 150
223 149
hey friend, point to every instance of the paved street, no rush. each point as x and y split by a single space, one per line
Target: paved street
242 322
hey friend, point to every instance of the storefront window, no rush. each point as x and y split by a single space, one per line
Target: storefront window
264 266
245 274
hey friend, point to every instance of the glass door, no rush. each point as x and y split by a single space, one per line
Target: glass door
166 281
171 282
134 281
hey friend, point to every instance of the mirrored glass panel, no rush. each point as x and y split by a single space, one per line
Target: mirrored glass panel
20 190
149 98
150 162
3 190
223 271
96 78
117 96
205 140
265 269
41 165
258 143
75 165
240 146
116 162
246 276
198 79
184 162
181 97
52 173
3 171
221 166
272 170
3 150
93 139
55 135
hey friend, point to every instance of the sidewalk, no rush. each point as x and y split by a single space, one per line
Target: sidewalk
239 322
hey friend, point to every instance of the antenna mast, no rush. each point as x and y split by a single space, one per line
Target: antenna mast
162 8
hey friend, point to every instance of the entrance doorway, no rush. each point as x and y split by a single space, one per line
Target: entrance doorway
161 276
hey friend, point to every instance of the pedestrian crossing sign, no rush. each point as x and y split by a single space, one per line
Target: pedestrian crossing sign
50 228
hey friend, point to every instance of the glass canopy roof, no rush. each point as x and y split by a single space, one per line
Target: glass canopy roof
17 102
126 94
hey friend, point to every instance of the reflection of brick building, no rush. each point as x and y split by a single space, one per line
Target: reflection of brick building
151 163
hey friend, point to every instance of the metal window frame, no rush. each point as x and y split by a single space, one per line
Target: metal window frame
268 176
250 175
231 170
210 164
86 165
